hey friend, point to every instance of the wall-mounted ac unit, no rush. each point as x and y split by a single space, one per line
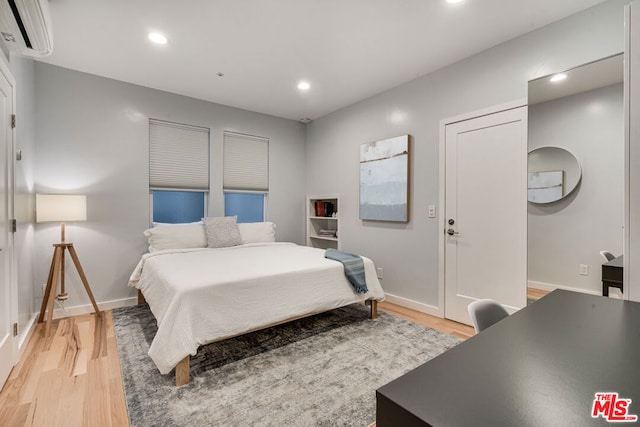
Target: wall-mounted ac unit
25 26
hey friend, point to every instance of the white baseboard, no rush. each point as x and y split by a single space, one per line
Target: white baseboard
551 287
25 334
59 313
414 305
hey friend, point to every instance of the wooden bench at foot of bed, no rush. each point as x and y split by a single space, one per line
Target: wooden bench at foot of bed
183 369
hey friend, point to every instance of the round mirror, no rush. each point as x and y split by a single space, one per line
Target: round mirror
553 173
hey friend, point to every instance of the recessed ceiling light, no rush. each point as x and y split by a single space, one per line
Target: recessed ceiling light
558 77
157 38
454 1
304 86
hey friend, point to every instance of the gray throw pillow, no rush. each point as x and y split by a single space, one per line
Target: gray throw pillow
222 232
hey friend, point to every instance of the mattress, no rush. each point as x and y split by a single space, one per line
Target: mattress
199 296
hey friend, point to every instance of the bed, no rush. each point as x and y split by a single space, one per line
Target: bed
200 295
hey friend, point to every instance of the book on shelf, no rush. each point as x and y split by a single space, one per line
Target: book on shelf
324 208
328 209
328 233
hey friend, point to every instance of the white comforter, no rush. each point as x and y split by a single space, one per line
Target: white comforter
203 295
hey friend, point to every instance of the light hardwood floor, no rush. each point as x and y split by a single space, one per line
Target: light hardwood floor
73 377
533 293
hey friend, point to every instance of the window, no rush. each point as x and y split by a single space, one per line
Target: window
249 207
178 171
246 177
178 206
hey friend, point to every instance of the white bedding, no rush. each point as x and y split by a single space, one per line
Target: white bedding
203 295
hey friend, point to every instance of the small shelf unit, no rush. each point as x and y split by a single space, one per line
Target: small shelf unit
323 220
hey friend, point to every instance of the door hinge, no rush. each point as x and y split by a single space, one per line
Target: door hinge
15 329
13 121
14 226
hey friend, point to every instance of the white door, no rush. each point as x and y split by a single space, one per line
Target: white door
7 341
486 212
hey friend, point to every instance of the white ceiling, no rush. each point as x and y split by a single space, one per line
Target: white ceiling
348 50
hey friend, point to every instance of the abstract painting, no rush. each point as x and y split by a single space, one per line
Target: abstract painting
545 187
384 180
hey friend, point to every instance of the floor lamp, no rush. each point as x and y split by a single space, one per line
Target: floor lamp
61 208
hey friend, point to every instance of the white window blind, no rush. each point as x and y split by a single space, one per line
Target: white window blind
246 162
178 156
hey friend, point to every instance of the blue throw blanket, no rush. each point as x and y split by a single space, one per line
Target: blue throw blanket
353 268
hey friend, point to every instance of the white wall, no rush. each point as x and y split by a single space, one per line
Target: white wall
92 135
408 253
572 231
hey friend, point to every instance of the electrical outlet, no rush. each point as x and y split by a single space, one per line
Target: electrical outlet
432 211
379 272
584 269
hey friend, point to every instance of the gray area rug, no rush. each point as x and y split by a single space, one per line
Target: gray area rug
318 371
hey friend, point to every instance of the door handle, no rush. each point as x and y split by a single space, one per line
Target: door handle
451 232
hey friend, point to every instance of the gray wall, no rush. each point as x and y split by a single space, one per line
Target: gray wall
574 230
92 137
408 253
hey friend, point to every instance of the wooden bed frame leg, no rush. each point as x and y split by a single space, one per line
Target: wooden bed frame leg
374 309
183 372
141 299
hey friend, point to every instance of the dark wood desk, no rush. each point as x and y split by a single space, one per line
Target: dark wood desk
612 275
539 367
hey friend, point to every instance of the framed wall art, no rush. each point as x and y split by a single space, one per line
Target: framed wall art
384 180
545 187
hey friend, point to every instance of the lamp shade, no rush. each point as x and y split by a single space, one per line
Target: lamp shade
61 207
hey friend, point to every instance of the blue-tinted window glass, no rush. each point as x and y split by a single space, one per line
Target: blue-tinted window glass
177 206
248 207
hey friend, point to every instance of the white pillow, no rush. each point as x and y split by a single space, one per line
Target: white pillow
257 232
222 232
176 236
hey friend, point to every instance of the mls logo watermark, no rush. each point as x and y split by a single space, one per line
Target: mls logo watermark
612 408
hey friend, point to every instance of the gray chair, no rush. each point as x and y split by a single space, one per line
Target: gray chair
607 255
486 312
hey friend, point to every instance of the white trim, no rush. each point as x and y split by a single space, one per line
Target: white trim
512 105
246 191
626 111
325 196
25 335
552 287
182 190
414 305
60 313
244 135
9 194
182 126
441 212
441 186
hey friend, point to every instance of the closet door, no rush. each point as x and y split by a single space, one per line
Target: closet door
486 212
7 288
